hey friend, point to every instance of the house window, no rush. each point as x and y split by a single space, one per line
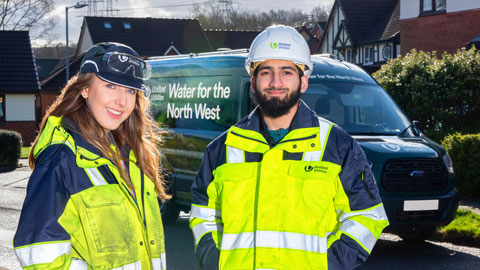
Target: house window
348 57
127 25
107 25
433 6
368 56
2 108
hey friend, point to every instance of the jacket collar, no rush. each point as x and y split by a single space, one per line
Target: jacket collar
61 130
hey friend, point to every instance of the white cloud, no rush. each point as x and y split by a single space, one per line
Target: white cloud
158 9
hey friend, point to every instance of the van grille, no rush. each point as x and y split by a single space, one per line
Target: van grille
417 175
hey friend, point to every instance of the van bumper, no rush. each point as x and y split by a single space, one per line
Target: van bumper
399 217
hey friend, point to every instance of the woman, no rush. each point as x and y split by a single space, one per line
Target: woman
92 197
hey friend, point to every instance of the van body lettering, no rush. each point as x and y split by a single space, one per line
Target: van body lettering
203 92
203 112
221 92
185 112
176 91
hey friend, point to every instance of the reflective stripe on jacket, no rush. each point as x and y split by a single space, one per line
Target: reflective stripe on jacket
78 213
291 205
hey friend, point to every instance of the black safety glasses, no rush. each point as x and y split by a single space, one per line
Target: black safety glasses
125 63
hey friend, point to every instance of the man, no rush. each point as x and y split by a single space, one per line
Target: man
283 188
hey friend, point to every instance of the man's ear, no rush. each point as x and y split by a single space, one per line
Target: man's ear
252 84
304 80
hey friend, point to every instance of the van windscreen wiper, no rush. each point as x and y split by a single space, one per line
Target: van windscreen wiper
411 126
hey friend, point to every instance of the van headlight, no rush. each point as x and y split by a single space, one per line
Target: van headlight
448 162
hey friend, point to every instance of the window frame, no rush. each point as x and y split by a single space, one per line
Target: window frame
434 9
2 107
370 59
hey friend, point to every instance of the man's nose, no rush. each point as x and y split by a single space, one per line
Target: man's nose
276 81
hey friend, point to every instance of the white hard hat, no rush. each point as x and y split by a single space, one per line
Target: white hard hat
279 42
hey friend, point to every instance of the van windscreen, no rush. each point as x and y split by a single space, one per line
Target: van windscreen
361 109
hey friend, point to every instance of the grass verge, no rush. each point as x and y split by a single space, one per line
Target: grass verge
463 230
25 152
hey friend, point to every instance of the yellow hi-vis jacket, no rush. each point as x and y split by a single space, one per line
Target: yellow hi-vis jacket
307 202
79 214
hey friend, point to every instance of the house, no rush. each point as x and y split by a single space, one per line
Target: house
19 85
366 33
147 36
231 39
45 66
52 85
317 30
438 25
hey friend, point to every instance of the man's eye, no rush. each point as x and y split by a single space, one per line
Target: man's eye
263 73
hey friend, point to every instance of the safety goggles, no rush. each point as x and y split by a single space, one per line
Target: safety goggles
127 64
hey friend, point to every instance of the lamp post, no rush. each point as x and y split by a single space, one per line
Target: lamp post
77 5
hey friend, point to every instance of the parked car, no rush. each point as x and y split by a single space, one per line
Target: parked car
197 97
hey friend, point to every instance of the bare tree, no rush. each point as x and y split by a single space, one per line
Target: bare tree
210 18
320 13
27 15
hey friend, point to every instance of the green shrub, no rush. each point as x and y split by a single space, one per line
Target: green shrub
465 153
443 94
10 148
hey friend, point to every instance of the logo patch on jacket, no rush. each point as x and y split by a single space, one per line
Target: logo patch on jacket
320 169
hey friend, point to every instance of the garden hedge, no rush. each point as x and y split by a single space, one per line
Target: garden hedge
465 153
10 148
442 93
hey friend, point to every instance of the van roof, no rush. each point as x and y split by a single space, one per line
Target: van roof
325 67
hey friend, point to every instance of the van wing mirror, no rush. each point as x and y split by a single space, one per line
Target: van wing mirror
417 128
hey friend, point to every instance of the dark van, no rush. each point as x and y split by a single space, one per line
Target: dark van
196 97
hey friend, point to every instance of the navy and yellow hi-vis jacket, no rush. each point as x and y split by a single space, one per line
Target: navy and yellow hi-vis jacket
79 214
307 202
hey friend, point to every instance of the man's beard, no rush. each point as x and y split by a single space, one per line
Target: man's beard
275 107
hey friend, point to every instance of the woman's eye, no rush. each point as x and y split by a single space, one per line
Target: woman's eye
132 91
111 86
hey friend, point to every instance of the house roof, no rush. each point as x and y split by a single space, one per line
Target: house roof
56 80
18 73
45 66
148 36
371 20
232 39
322 25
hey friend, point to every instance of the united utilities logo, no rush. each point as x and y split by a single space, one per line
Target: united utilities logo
320 169
280 45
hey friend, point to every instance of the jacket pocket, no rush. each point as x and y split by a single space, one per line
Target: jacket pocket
110 221
235 184
315 189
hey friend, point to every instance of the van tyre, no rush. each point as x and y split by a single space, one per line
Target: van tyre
417 234
169 211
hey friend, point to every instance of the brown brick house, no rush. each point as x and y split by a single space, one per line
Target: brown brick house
438 25
19 85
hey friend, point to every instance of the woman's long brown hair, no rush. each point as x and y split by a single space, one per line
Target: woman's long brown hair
137 130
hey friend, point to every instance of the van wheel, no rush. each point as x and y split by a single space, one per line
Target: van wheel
417 234
169 211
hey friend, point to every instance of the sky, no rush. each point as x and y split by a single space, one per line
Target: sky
161 9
